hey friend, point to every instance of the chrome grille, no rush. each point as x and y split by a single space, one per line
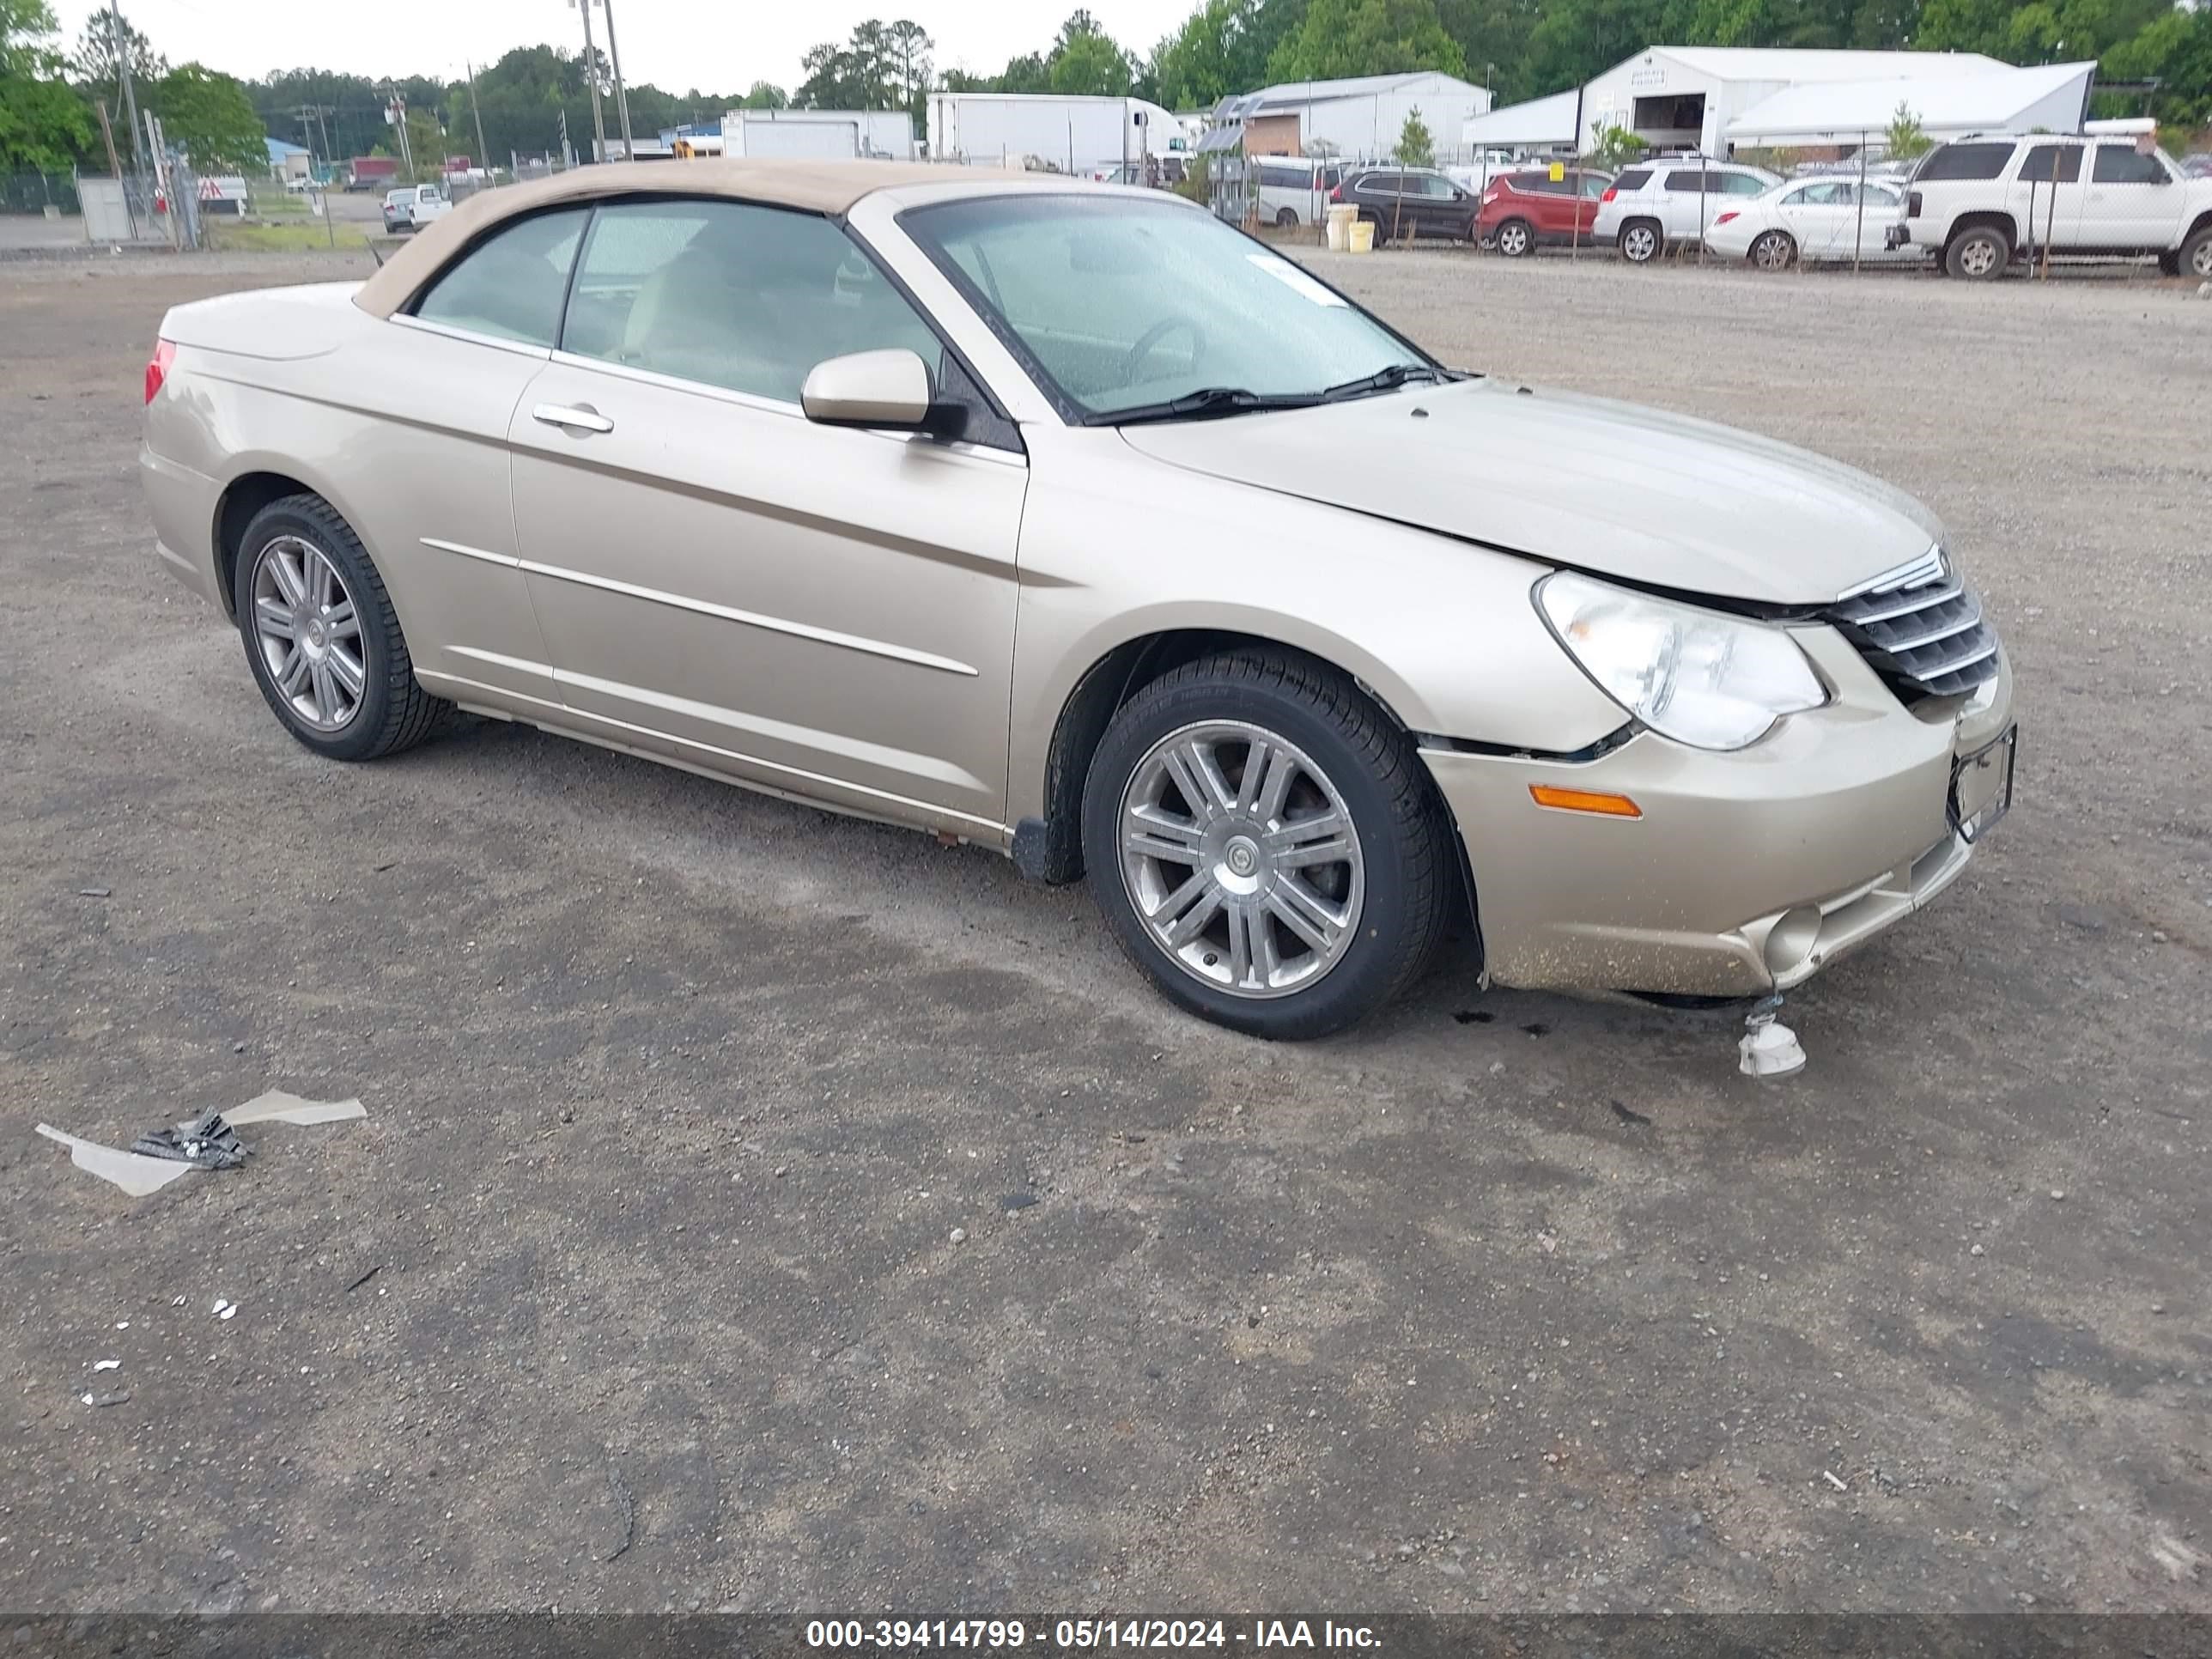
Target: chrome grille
1921 629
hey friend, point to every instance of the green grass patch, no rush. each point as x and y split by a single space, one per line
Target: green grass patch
229 235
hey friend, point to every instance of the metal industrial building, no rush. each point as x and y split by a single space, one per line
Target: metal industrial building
1358 119
1698 97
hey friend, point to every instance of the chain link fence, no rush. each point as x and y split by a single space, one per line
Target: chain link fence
34 192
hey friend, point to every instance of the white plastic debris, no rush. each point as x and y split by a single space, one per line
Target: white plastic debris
107 1365
137 1175
1834 1481
1769 1048
282 1108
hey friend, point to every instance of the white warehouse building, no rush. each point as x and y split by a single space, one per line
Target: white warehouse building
1359 118
1698 97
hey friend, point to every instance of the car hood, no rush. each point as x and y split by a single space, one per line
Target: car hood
1605 487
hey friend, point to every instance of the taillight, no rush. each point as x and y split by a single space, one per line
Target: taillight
1912 205
157 367
1337 195
1725 217
1609 194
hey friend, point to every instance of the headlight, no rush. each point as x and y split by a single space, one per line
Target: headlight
1701 677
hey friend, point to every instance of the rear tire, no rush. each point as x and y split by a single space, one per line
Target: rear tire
1287 219
321 638
2196 255
1642 242
1516 238
1246 901
1774 249
1978 255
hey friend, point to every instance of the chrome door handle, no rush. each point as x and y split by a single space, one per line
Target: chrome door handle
575 420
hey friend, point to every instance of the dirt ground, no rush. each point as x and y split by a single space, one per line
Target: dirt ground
677 1097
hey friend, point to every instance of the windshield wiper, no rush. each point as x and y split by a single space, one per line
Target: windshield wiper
1387 379
1208 401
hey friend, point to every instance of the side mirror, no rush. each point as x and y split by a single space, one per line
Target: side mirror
878 389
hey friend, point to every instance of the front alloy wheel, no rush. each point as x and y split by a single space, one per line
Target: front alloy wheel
1265 844
1242 858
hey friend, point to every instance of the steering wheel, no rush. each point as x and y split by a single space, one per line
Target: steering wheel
1150 340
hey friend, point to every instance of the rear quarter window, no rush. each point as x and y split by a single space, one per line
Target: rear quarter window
1963 162
1634 178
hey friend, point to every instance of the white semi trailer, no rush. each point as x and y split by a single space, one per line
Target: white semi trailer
1085 137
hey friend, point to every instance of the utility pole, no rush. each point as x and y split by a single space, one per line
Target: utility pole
483 155
123 68
622 95
395 112
592 80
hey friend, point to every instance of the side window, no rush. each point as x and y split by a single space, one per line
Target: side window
1974 162
2124 164
1634 178
729 294
1595 185
1743 184
512 285
2053 163
1435 185
1690 180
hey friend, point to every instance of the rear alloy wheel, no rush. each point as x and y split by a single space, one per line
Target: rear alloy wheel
2196 255
1266 845
1979 255
321 637
1515 239
1640 242
1776 249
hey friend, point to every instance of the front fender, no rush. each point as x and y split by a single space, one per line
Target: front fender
1117 548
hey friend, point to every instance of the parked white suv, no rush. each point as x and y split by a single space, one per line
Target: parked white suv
1671 201
1979 202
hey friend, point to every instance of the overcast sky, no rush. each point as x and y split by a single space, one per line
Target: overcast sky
718 45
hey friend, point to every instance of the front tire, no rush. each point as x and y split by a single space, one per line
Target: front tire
1979 255
1516 239
1775 250
1266 845
321 637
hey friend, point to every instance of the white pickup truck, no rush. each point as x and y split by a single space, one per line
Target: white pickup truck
1979 203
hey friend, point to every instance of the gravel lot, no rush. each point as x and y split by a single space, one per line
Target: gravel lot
677 1097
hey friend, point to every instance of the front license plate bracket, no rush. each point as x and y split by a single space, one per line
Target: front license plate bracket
2002 750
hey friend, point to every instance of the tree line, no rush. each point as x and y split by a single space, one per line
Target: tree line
50 97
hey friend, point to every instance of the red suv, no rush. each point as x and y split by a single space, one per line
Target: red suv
1522 211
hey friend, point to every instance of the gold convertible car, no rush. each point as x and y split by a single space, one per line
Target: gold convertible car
1067 520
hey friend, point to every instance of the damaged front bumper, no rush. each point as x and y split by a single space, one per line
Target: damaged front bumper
1746 872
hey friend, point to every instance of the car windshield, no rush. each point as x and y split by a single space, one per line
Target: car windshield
1131 307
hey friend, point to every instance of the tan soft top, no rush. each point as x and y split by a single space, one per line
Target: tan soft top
822 187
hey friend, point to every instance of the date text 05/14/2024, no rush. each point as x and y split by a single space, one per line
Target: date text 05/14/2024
1006 1635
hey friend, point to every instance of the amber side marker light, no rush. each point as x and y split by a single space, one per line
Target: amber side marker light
1583 800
